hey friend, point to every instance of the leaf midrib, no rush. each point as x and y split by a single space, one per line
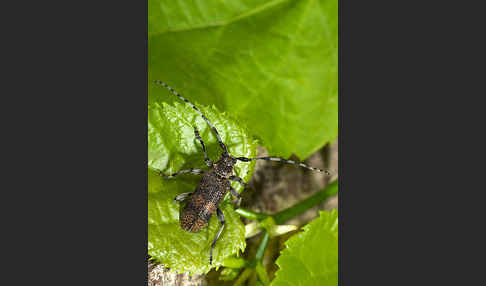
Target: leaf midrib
243 15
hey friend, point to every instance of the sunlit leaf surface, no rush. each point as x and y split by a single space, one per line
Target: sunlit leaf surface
172 146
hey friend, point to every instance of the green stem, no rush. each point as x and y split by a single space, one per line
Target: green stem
309 203
262 246
243 276
251 214
260 270
262 273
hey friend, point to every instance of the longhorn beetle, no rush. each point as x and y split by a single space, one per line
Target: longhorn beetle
214 184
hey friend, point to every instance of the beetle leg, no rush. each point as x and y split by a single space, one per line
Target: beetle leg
238 179
235 194
181 197
206 158
221 220
192 170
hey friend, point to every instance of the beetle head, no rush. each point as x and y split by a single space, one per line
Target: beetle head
224 166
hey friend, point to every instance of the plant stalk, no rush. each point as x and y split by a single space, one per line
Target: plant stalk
251 214
262 246
306 204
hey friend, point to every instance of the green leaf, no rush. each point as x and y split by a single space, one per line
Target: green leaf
311 257
171 147
273 64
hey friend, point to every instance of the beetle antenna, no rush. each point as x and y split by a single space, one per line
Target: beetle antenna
244 159
198 111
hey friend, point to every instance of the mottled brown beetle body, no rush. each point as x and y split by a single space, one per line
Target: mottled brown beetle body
203 202
208 195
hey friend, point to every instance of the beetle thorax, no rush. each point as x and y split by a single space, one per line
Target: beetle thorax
224 166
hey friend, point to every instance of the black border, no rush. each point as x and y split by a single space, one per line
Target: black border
75 189
400 88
